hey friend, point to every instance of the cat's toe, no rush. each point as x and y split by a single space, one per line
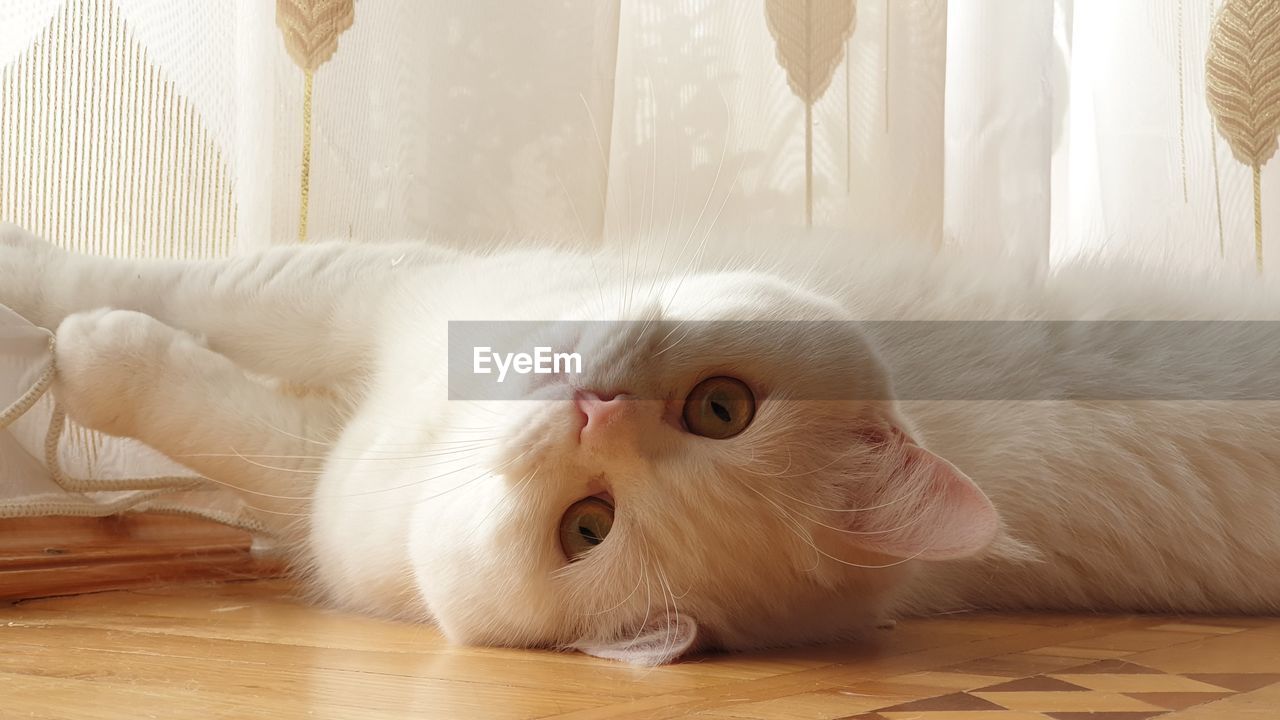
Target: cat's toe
106 360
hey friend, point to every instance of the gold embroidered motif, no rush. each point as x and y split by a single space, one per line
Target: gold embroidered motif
1242 84
311 29
810 37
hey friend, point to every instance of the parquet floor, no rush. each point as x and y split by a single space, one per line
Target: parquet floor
248 650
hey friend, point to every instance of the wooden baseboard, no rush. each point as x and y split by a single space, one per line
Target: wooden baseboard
40 557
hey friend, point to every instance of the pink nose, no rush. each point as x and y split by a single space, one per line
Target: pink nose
597 410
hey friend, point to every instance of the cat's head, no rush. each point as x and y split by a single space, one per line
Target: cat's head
699 487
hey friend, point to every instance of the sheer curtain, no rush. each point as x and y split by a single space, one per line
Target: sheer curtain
1036 129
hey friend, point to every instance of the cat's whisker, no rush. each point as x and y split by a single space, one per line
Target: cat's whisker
784 473
312 496
670 609
655 272
809 541
724 151
776 492
484 406
404 486
815 557
865 508
511 491
677 340
603 157
646 208
781 473
334 443
496 470
387 458
648 589
845 531
618 604
192 456
275 468
393 423
850 450
587 240
696 311
696 261
320 471
294 436
365 493
270 511
435 427
255 493
675 327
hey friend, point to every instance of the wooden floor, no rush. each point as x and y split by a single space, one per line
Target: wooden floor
249 650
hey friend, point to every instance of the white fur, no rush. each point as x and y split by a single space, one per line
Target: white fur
405 503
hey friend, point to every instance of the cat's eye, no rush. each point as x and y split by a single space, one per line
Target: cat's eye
719 407
585 525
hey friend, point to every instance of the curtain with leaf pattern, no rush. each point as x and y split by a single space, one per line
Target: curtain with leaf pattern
1041 130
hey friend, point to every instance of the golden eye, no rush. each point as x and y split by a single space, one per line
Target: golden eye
585 525
719 407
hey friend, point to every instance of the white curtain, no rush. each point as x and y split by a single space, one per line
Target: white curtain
1036 129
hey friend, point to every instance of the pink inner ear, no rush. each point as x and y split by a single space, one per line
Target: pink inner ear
926 508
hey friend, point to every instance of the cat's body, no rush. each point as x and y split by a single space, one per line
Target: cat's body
442 510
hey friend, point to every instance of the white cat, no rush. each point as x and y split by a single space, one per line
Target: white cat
696 487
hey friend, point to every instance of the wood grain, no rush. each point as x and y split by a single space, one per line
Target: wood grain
57 556
251 649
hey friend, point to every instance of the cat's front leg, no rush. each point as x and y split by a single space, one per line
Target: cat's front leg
125 373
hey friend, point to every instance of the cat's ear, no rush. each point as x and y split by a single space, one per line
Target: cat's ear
924 507
661 640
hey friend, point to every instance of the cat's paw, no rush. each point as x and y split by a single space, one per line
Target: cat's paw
107 363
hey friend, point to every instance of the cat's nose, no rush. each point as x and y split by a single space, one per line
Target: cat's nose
598 409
